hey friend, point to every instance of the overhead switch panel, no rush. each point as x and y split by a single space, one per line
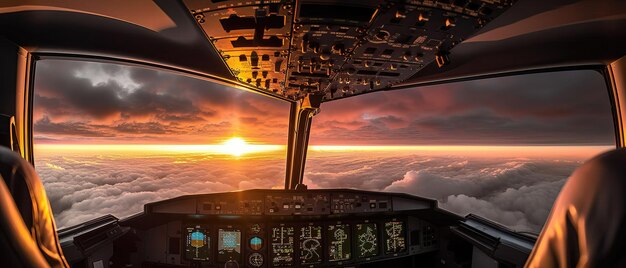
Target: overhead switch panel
337 49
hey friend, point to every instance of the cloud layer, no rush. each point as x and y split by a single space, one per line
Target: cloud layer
88 185
517 192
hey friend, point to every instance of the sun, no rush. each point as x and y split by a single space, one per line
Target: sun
235 146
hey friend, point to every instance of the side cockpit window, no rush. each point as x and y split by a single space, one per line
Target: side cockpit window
500 148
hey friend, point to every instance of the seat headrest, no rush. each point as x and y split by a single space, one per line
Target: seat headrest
18 247
587 224
30 198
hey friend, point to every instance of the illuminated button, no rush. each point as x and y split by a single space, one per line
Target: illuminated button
372 205
218 207
449 23
338 49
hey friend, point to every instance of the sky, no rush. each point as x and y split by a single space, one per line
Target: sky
87 103
540 109
92 103
110 138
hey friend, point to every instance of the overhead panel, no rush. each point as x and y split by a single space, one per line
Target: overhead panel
251 36
337 48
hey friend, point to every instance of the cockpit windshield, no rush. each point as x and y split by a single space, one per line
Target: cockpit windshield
500 148
109 138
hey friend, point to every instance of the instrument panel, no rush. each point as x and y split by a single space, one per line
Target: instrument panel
302 244
285 228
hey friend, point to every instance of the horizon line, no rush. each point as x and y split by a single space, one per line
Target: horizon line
577 151
276 147
330 145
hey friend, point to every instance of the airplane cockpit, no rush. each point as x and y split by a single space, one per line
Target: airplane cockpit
142 98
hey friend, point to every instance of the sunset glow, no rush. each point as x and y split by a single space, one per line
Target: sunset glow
239 147
236 146
476 150
228 148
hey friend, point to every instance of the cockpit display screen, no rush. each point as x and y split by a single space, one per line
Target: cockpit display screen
228 245
197 244
282 240
366 240
395 237
338 237
311 244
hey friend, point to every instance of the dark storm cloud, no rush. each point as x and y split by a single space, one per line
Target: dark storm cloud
125 101
45 126
106 98
551 108
559 94
77 96
48 103
175 119
138 128
147 103
389 121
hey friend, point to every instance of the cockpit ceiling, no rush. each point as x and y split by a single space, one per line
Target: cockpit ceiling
337 49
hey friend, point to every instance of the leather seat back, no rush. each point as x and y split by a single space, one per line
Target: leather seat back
587 224
34 208
17 246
